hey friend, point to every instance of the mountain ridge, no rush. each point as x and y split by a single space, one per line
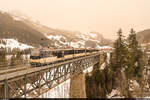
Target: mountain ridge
28 31
143 36
10 28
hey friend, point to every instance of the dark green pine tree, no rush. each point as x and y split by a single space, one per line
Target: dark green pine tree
119 61
19 58
132 48
13 60
120 58
3 60
149 62
136 64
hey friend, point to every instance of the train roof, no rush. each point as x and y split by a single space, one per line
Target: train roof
57 50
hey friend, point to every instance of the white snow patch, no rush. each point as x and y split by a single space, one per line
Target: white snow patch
92 35
12 43
78 44
108 57
133 85
88 37
103 66
103 47
56 37
115 93
60 91
88 69
17 18
107 61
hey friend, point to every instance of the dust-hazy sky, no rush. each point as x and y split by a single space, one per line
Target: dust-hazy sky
104 16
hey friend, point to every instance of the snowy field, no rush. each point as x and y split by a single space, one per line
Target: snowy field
12 43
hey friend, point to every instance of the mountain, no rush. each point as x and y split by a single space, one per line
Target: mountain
77 39
28 31
143 36
17 29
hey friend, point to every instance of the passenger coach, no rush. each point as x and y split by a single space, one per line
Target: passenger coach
46 57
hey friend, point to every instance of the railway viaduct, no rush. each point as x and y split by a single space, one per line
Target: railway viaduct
38 80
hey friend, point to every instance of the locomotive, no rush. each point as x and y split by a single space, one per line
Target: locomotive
43 57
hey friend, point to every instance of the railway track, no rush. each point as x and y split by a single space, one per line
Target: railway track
27 66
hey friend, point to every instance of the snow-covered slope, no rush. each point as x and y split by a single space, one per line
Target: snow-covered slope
79 40
12 43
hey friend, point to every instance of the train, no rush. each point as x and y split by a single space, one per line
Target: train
43 57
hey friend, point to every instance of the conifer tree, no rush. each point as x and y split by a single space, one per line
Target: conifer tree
149 62
132 48
19 58
119 61
136 64
120 53
13 59
3 60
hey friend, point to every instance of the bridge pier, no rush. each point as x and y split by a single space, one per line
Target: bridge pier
77 86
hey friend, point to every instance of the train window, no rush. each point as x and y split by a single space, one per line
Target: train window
54 53
51 54
60 54
68 52
43 54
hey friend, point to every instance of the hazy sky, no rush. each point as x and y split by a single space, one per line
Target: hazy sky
104 16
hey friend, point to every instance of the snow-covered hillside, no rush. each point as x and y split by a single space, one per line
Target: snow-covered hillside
57 38
82 40
12 43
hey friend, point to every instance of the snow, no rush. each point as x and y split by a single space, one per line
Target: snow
133 85
115 93
18 15
2 11
136 64
74 44
103 47
25 57
103 66
60 91
83 36
12 43
88 37
88 70
107 61
17 18
78 44
92 35
108 57
56 37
